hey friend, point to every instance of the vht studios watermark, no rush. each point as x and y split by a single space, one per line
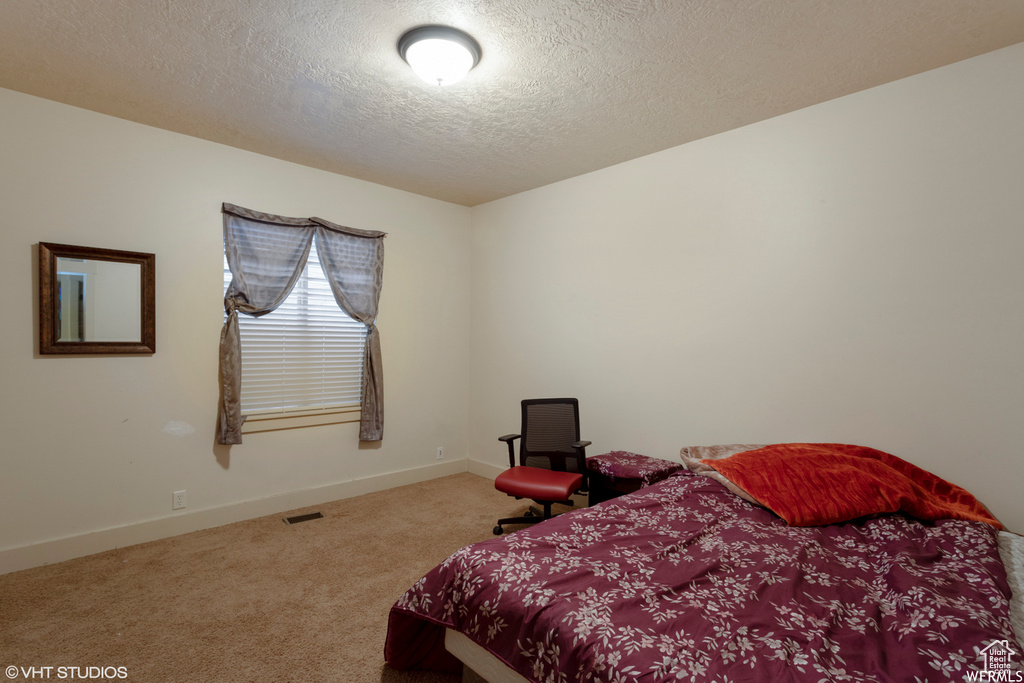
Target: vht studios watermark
81 673
998 666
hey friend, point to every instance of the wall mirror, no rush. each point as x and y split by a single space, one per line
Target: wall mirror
96 300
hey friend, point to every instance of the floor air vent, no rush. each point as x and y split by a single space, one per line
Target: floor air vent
302 518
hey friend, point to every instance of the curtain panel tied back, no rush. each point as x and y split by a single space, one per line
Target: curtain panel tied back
266 255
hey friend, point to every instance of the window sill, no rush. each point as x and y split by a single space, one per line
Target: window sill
276 422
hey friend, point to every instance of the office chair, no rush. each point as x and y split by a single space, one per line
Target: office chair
552 460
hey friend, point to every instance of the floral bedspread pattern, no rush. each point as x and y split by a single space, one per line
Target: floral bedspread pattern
626 465
683 581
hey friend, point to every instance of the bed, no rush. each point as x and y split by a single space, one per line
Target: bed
686 580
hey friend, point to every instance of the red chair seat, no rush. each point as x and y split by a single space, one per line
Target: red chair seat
537 483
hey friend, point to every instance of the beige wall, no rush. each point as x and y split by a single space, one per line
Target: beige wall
849 272
90 444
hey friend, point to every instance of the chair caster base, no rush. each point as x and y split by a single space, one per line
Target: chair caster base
498 531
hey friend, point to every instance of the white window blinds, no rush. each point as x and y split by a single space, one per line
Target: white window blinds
305 356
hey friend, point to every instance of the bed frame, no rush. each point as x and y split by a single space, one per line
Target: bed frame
479 665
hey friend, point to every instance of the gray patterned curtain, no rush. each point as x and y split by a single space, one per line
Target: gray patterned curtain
353 261
266 254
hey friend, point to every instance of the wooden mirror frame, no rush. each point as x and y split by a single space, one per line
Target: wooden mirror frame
49 336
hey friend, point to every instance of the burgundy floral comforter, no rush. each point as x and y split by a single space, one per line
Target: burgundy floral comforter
684 581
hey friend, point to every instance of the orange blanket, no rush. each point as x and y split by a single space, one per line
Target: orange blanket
811 484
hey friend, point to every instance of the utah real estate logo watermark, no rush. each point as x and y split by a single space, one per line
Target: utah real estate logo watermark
998 664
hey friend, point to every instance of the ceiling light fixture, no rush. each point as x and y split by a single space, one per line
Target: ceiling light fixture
440 55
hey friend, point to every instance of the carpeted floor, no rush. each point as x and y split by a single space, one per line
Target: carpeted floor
254 601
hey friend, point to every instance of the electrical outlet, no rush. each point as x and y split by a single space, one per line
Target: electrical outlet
440 452
178 500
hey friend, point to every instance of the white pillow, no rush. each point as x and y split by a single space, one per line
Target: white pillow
692 456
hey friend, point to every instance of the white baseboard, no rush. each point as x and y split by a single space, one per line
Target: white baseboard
61 549
484 469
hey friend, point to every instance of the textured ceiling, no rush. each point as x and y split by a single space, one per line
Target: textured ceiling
564 86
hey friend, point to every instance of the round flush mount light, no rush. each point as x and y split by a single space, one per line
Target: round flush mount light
440 55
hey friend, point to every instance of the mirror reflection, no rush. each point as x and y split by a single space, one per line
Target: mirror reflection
98 301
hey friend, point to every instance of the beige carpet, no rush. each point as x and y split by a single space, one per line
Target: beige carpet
253 601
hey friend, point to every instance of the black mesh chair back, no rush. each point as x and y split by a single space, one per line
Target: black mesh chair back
550 427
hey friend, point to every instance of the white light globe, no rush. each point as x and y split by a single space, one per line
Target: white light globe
440 55
438 61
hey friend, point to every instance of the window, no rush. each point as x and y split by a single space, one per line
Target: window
268 256
303 359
